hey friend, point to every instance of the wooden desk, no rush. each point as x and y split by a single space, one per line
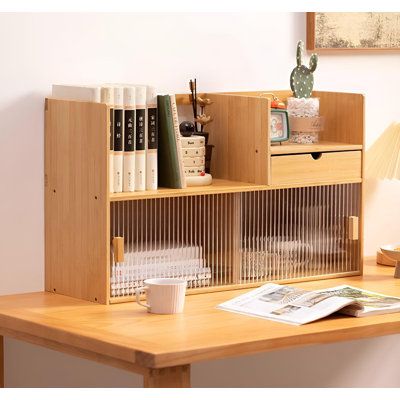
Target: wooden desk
162 347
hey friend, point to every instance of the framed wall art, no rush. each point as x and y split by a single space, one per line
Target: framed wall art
352 31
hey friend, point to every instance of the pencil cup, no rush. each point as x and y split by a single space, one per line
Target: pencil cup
163 295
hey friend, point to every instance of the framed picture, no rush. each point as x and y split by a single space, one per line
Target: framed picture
368 31
279 125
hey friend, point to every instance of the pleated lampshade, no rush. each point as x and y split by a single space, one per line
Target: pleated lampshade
383 157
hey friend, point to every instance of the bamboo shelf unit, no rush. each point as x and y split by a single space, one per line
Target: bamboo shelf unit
273 212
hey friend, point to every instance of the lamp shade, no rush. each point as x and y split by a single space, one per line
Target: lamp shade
383 157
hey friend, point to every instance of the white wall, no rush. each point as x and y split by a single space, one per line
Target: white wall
224 52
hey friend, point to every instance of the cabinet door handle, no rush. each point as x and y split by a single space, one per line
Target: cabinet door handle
118 246
353 228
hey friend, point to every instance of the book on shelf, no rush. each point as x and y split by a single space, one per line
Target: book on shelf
148 252
107 97
152 139
129 139
158 260
133 145
118 138
194 141
90 93
178 138
193 151
169 166
140 171
296 306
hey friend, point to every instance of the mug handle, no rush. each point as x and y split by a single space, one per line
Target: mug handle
138 292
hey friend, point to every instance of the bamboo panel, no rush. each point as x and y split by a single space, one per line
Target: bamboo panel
76 199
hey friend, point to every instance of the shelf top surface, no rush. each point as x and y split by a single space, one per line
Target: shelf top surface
127 332
323 146
218 186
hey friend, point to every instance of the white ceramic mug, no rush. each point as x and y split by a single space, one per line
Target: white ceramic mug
163 295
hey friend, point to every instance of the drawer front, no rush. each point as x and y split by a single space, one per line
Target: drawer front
316 168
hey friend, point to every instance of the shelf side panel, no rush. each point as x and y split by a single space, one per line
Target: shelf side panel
239 133
76 199
344 117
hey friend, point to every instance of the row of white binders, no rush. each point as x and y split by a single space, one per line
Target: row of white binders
184 262
133 131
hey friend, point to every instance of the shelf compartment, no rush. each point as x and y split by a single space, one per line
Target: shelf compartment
293 233
228 240
188 237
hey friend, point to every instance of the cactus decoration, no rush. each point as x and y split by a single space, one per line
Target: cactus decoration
302 78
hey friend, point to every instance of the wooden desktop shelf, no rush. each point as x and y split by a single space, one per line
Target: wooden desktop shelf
82 218
218 186
322 146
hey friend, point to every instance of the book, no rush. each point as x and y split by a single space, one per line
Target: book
193 171
118 138
107 97
168 165
178 144
124 279
161 251
158 259
193 141
140 152
193 151
129 139
77 92
193 161
152 139
296 306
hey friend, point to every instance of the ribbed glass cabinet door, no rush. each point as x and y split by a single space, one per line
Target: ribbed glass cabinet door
235 238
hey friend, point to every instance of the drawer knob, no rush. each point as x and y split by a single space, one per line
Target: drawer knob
316 155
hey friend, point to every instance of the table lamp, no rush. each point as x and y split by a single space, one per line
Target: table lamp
383 162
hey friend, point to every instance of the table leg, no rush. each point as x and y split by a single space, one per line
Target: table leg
1 362
171 377
397 270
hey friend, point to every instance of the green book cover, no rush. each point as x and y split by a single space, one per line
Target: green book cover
168 164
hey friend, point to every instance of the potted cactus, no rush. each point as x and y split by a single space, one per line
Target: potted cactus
302 78
303 109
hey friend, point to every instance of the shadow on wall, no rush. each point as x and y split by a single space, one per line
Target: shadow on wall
347 364
382 216
21 211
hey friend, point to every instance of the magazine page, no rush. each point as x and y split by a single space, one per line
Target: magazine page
373 303
287 304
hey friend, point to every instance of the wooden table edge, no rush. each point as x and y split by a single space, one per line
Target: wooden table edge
177 376
263 346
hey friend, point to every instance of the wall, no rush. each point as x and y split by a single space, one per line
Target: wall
224 52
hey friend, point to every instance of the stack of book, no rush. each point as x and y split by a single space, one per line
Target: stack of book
194 151
133 131
145 142
158 261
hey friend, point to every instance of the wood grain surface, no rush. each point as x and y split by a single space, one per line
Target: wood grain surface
127 333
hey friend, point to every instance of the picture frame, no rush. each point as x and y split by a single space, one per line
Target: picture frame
334 32
279 125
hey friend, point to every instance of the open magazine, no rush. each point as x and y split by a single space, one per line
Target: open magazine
297 306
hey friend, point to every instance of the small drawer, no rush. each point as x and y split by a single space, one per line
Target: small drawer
316 168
